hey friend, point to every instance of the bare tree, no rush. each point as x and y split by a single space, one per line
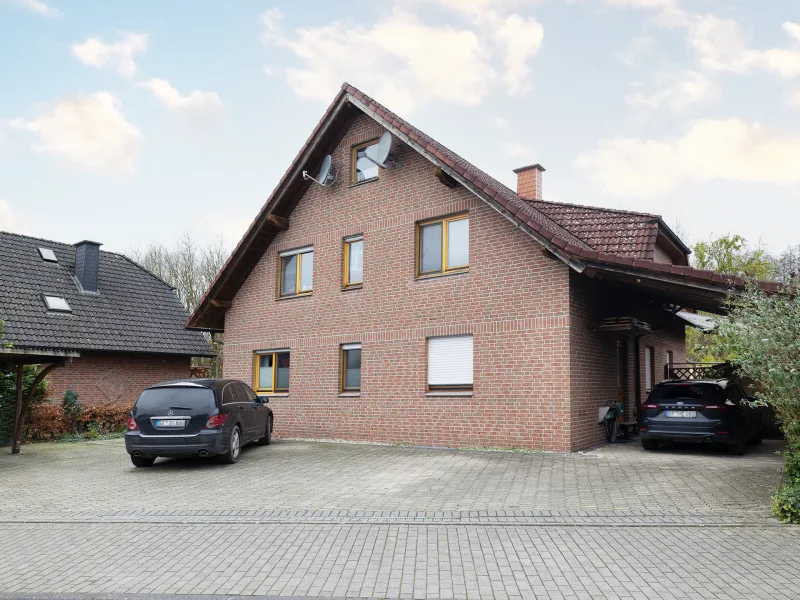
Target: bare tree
787 264
190 267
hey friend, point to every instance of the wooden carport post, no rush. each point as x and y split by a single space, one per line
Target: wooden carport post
23 403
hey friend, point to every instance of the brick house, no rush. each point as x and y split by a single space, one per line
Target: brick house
117 327
425 303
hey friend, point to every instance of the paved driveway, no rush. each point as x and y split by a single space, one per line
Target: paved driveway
316 519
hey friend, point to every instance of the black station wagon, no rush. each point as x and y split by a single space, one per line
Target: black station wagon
197 417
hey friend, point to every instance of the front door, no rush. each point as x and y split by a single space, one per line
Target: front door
622 371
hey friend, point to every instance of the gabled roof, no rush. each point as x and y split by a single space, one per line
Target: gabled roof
134 310
532 217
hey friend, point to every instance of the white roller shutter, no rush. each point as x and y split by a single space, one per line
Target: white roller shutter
450 360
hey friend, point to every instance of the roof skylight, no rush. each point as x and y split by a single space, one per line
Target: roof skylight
57 303
48 255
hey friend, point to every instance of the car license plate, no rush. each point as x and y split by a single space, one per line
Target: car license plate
685 414
170 422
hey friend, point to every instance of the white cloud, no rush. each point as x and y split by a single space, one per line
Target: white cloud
499 122
677 91
95 53
635 49
37 7
408 63
731 150
90 131
9 221
794 99
195 102
520 40
516 150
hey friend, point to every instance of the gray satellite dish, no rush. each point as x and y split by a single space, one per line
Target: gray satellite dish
325 176
381 152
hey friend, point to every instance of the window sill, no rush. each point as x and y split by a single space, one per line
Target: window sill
349 394
295 297
357 286
275 395
443 393
438 275
366 181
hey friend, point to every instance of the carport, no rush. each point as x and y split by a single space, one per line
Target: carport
17 359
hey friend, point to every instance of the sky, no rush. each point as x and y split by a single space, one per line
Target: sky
131 122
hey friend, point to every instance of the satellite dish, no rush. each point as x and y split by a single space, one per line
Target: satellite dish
381 152
325 176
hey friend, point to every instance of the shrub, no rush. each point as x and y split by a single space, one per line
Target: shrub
48 422
71 407
792 464
786 503
8 397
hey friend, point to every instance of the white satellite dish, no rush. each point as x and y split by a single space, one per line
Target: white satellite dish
381 153
325 176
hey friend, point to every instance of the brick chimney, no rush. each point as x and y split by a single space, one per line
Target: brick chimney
87 264
529 181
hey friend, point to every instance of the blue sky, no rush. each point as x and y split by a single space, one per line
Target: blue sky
129 122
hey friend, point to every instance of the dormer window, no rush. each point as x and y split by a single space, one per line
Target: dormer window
57 304
362 168
48 255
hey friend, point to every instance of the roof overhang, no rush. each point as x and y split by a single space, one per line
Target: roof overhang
21 356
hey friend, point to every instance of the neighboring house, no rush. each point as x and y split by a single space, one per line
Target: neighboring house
428 304
122 325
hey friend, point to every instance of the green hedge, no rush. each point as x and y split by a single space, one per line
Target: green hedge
8 397
786 501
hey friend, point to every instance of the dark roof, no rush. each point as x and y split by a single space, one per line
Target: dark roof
134 311
561 241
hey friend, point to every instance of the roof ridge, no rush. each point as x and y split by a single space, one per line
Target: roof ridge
41 239
600 208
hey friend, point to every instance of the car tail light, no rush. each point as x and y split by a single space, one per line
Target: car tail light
216 421
132 426
646 406
719 407
721 432
642 428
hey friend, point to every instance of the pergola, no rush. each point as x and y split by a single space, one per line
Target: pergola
18 358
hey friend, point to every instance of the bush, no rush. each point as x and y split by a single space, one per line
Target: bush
71 407
8 397
48 422
792 465
786 503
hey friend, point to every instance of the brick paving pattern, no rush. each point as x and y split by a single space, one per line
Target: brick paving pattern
336 520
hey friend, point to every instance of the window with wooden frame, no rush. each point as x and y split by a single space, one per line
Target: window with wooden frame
443 246
649 368
362 168
353 265
350 368
296 272
450 363
271 371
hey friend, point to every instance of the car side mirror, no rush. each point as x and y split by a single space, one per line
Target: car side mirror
264 399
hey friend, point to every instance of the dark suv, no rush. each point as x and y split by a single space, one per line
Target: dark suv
713 412
196 417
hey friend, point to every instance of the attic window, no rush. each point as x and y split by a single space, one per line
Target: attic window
57 304
48 255
362 168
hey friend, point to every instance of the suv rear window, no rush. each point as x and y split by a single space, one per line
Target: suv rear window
194 398
708 393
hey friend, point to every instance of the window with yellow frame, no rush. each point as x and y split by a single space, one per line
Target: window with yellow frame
296 272
271 373
443 245
353 265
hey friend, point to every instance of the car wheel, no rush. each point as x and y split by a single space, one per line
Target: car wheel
650 444
267 439
234 448
142 461
737 449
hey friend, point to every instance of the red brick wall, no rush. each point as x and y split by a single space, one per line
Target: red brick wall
100 377
514 300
